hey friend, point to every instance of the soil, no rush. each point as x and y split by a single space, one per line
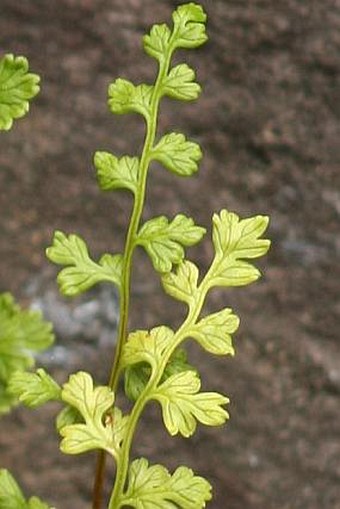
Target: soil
269 124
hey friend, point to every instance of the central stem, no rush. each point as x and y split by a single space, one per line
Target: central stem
151 126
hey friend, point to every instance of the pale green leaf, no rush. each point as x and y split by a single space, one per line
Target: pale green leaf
82 272
36 503
22 332
35 332
7 400
146 346
182 284
67 250
11 496
235 240
180 84
93 404
34 389
136 376
125 97
177 154
183 405
113 265
240 237
68 415
119 424
114 173
90 402
153 487
164 240
22 328
189 28
13 356
156 43
189 490
17 87
214 332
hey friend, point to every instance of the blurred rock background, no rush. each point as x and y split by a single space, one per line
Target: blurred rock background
268 122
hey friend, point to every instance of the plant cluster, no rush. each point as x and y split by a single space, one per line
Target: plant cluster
153 363
22 332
